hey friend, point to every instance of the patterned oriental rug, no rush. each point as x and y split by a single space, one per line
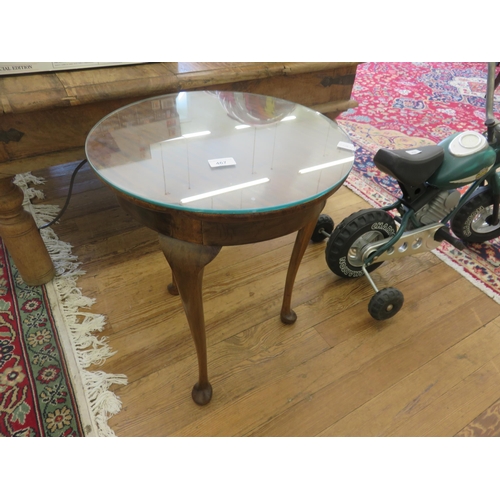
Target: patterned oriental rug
46 344
406 105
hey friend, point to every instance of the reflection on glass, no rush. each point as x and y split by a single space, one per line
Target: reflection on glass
218 192
349 159
253 109
172 151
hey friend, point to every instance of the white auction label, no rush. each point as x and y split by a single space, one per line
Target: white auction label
221 162
346 145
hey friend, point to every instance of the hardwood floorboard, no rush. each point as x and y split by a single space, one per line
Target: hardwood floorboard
430 371
485 425
397 410
238 366
449 413
370 364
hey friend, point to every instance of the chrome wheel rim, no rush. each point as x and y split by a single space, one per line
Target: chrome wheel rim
480 222
355 253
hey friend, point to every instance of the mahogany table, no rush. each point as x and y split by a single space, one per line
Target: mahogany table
208 169
46 117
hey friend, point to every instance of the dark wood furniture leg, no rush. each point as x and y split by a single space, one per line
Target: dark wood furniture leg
172 287
188 261
21 236
287 315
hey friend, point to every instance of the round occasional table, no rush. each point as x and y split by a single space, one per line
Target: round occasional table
208 169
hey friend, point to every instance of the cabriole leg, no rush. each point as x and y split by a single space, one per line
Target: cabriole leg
288 316
187 261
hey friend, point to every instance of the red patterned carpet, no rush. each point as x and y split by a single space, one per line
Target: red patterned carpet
36 394
410 104
47 342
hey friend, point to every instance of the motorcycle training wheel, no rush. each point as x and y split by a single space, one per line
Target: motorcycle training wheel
325 223
471 222
385 304
344 249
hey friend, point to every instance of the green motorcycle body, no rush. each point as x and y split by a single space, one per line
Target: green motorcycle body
456 171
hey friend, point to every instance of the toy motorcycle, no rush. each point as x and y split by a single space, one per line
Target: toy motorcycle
430 205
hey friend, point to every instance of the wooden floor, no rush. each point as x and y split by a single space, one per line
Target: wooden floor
432 370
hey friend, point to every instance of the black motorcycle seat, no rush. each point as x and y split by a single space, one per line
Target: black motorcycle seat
411 166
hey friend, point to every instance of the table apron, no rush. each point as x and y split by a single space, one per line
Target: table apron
223 229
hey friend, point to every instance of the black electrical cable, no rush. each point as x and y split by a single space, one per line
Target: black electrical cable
63 209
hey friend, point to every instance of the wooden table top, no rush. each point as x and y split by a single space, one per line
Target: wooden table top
40 91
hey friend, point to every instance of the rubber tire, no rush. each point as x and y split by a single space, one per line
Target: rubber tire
461 222
325 222
386 298
346 234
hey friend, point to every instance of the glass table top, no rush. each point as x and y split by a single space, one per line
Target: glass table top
220 152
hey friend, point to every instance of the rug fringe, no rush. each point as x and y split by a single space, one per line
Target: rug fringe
86 348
